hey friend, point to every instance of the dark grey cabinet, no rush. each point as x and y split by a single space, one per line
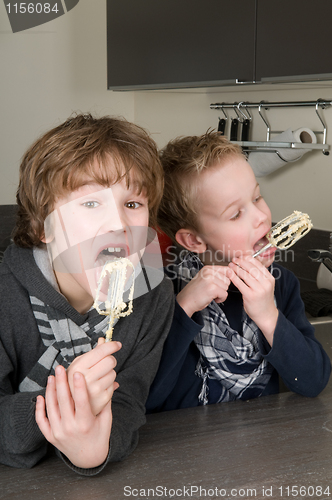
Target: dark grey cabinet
179 43
156 44
294 40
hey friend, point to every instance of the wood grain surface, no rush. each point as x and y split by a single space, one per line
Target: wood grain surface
253 449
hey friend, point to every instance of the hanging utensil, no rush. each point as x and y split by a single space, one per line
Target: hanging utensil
246 120
245 130
222 125
234 129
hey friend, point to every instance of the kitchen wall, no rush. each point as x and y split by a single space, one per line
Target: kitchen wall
60 67
304 185
48 72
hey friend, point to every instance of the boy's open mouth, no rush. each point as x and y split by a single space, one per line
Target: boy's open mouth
115 251
260 244
109 254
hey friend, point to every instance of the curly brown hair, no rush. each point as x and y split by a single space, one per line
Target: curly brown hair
60 160
183 160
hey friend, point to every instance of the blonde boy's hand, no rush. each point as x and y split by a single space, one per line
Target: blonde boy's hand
210 283
70 425
256 285
97 367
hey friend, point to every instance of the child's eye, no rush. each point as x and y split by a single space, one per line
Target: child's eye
133 204
258 198
236 216
90 204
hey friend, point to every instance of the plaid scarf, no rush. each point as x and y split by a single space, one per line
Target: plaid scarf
230 357
64 340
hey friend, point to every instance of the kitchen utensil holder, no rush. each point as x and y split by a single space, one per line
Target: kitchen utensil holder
242 110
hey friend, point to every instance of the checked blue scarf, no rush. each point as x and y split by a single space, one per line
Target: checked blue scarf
232 358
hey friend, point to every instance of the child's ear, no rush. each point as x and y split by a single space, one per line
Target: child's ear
191 241
46 238
41 236
43 239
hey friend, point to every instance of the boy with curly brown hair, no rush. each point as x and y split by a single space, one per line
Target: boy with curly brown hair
88 190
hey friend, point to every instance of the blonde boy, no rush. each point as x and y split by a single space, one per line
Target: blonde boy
88 188
239 320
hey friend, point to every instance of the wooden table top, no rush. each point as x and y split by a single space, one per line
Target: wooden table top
264 448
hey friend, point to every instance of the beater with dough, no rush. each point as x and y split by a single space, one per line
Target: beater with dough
115 307
287 232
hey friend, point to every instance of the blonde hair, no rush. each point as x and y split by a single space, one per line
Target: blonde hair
183 160
60 160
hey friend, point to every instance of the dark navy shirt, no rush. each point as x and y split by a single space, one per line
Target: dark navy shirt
296 356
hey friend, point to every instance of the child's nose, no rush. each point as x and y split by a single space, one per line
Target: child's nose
260 216
112 221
